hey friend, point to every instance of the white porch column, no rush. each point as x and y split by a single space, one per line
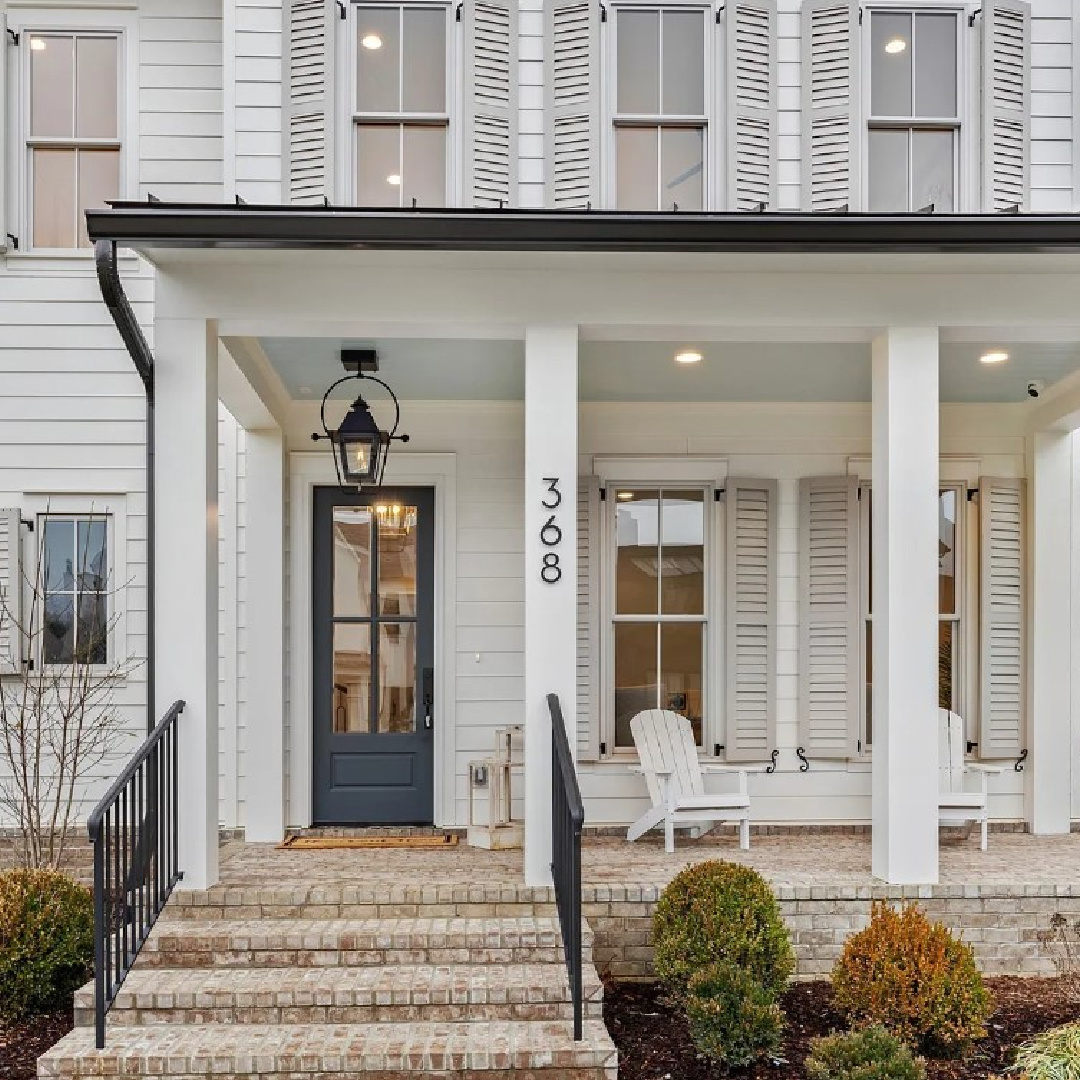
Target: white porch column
905 605
264 608
1047 786
186 445
551 440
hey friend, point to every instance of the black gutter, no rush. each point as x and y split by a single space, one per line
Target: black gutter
182 225
112 292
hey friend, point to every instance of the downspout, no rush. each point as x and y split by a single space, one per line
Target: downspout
112 292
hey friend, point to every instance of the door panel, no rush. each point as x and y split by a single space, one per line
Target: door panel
373 581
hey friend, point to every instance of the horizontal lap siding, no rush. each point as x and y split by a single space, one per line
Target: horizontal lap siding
531 103
181 101
72 421
258 100
1052 107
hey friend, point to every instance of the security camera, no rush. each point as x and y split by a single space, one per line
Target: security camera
1035 387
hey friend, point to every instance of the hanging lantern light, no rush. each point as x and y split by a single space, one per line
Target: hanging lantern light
360 446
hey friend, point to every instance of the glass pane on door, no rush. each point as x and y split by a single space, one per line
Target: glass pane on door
352 562
397 559
397 678
352 678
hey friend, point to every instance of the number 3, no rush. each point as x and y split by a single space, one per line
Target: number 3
553 489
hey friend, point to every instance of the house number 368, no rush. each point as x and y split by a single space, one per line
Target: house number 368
550 533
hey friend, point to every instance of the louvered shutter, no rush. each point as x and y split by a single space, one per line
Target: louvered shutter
11 643
750 624
309 100
1006 78
4 42
490 130
572 103
750 50
829 632
831 116
1002 687
588 620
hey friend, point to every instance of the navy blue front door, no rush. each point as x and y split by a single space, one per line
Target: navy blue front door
373 656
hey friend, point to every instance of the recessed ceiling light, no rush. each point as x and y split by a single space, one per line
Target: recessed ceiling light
371 41
305 389
994 356
895 46
624 496
37 44
688 356
394 179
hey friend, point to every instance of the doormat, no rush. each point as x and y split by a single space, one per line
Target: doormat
331 843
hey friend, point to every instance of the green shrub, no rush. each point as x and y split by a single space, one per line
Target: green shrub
720 912
1053 1055
870 1054
46 941
913 977
733 1019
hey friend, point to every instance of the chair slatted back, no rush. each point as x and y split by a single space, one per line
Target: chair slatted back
665 742
951 747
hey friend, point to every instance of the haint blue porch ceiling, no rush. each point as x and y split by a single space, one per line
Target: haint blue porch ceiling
467 369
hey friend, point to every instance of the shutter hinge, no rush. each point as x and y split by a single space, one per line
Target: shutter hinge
718 494
603 494
603 13
13 35
971 746
603 749
341 10
858 746
457 12
717 747
858 493
973 16
719 12
804 765
27 525
29 663
771 767
14 240
860 14
1019 766
971 494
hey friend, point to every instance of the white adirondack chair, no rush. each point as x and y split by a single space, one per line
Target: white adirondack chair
673 772
956 804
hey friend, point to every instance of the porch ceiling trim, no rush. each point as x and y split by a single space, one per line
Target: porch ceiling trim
147 225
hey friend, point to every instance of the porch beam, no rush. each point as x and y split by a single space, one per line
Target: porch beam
1047 785
186 500
905 605
551 449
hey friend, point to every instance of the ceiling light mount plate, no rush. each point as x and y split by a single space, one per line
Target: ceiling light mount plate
360 361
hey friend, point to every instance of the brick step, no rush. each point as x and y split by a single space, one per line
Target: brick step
459 1051
342 901
355 995
355 943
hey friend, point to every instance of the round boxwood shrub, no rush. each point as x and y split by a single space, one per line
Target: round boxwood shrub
733 1019
46 941
913 977
869 1054
720 912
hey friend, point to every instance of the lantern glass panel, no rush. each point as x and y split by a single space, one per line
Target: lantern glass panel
359 457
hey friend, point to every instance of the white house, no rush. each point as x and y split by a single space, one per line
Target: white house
683 303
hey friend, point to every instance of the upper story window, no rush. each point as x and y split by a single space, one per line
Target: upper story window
401 115
659 112
914 136
72 125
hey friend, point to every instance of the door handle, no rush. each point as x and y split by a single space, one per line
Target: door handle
428 692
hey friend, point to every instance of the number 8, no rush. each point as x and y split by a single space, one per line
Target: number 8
551 570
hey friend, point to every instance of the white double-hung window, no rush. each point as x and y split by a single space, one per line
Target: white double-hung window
915 135
401 104
659 107
68 123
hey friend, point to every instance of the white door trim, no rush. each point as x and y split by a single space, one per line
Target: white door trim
307 471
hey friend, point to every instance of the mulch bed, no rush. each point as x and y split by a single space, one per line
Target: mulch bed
654 1043
23 1043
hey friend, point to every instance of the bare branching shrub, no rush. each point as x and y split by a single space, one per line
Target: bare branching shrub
59 720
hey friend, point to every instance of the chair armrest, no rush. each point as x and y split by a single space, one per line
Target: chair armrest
734 768
990 770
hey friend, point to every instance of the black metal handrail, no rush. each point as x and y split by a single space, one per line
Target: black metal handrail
134 833
567 818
